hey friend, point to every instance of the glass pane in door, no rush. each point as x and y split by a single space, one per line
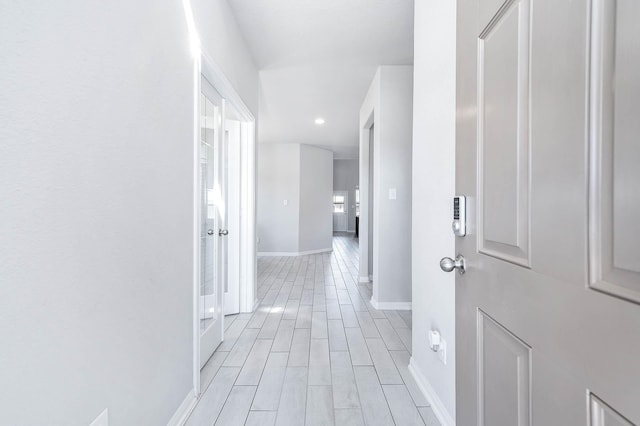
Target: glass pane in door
223 208
208 134
211 315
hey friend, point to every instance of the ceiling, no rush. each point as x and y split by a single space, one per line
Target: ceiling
316 59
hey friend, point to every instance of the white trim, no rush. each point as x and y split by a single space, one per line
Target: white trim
248 267
351 231
292 253
430 394
344 213
181 415
213 73
248 270
232 146
390 306
206 66
196 225
364 279
324 250
248 274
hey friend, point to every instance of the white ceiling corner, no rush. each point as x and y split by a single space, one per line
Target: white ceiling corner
317 58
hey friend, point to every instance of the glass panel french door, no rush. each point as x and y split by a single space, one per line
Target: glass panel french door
212 210
231 242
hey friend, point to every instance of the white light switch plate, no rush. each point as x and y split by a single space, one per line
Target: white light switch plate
285 202
392 194
102 420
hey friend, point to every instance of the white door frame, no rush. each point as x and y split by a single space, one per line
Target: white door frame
204 65
211 337
231 298
363 237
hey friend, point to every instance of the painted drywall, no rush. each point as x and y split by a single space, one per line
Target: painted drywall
388 105
303 176
224 48
278 181
345 178
316 190
223 42
433 188
96 183
318 57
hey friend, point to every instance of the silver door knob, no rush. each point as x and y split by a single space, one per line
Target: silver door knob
448 264
210 232
223 232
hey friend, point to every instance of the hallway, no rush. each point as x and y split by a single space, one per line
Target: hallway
314 352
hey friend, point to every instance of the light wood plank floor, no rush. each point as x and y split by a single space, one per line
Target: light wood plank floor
315 352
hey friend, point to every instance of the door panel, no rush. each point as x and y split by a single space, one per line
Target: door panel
523 102
603 415
558 146
503 111
614 263
340 209
211 210
504 371
232 264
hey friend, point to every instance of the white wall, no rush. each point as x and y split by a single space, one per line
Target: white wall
433 189
316 191
222 40
302 175
388 105
96 183
345 178
278 180
223 43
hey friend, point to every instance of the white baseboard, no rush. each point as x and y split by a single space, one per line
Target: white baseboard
390 306
430 394
364 280
374 302
325 250
277 253
292 253
182 413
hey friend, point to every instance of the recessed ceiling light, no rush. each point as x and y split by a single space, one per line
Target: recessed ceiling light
319 120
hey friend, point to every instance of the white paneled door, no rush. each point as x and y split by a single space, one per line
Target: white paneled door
340 209
212 220
547 153
231 185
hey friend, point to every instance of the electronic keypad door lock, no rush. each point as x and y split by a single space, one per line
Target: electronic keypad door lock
459 224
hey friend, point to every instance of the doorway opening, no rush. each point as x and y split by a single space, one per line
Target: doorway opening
340 211
370 204
212 213
367 203
224 211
